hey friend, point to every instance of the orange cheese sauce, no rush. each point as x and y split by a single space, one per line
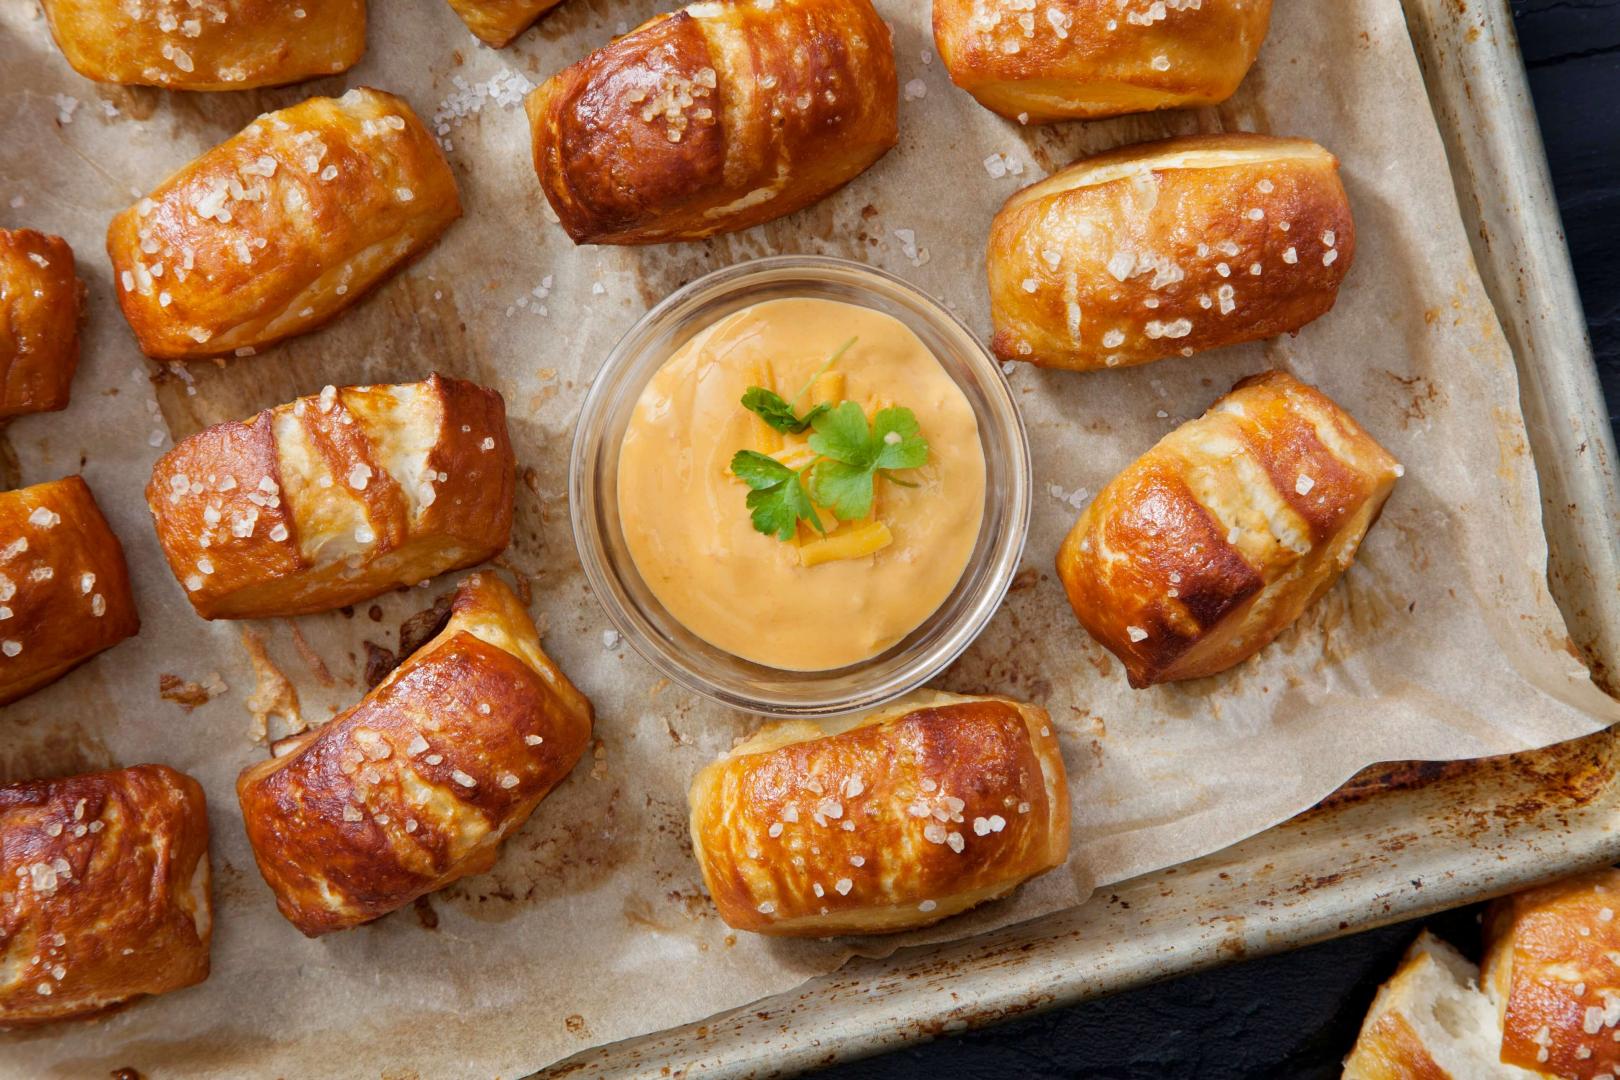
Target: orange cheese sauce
684 514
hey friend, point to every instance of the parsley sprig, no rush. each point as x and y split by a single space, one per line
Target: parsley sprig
778 499
782 414
851 454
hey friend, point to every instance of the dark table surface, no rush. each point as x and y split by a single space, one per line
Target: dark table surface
1293 1017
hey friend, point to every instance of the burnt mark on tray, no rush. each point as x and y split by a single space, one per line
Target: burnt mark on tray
1567 775
1417 396
670 913
422 627
415 631
184 692
1014 655
10 467
520 579
1356 614
312 659
380 660
542 548
230 884
577 837
43 751
426 917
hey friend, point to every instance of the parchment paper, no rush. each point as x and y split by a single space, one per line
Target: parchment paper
1441 642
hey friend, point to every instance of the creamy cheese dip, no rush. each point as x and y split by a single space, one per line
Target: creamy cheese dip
793 604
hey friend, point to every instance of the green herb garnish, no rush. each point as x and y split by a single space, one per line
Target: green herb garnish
778 499
842 478
850 456
853 455
782 414
777 411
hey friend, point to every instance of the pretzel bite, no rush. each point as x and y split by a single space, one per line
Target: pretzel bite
208 44
716 118
891 821
64 587
497 22
1169 248
281 227
41 305
103 892
1207 547
1064 59
419 783
1430 1022
1550 968
335 498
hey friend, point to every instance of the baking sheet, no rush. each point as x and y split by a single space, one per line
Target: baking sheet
1441 642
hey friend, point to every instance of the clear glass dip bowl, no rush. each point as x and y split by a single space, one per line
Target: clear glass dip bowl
688 660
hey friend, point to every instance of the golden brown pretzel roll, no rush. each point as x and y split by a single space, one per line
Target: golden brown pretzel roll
279 228
64 586
1430 1022
894 820
1169 248
103 891
41 304
1550 967
1211 543
715 118
1061 59
208 44
335 498
418 784
497 22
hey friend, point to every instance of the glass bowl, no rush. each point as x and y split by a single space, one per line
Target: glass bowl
682 656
